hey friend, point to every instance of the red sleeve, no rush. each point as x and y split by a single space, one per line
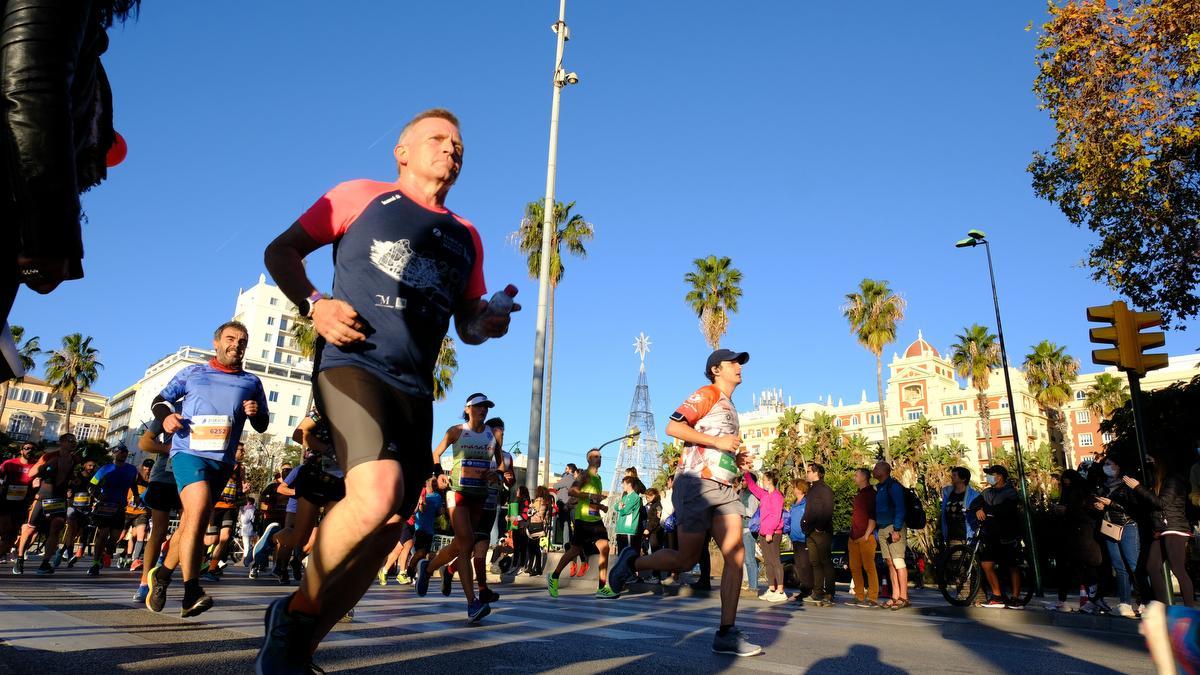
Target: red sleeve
698 404
331 215
475 285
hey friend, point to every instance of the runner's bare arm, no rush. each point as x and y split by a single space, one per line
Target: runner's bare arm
305 437
149 443
469 310
334 320
451 436
687 434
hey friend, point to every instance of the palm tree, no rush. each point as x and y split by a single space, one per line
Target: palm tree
72 370
305 336
1049 372
873 313
27 354
444 369
974 356
571 231
715 289
1106 395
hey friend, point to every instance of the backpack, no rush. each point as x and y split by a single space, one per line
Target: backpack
914 510
753 525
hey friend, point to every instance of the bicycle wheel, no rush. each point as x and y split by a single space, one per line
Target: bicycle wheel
960 577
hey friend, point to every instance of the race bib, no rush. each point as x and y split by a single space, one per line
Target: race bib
81 501
593 509
16 493
105 509
54 505
210 432
474 472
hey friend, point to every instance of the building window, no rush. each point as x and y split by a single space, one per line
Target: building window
20 425
1004 404
266 354
14 394
1086 440
1080 395
273 397
270 321
267 337
837 422
1006 427
951 430
295 399
1083 416
854 420
873 418
273 301
292 419
26 395
914 414
86 431
953 409
38 397
1106 437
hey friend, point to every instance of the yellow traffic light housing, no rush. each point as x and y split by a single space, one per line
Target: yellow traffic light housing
1125 334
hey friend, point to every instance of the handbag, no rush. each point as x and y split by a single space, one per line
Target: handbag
1111 529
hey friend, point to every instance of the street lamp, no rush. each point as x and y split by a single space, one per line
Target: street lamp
561 79
975 238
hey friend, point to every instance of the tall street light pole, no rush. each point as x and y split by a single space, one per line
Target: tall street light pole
561 79
975 238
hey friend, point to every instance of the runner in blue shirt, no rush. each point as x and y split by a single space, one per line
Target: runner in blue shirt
110 488
206 407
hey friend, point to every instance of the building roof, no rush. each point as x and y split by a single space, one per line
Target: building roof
919 347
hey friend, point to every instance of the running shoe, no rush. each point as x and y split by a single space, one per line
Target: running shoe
552 585
210 577
622 569
422 578
94 570
246 560
348 617
583 568
264 546
136 565
1089 607
447 580
45 569
18 566
993 603
72 560
1171 635
607 593
488 596
1126 610
158 578
476 611
1014 603
1102 605
734 642
403 578
574 567
283 577
253 573
57 559
284 649
197 605
382 576
139 596
106 560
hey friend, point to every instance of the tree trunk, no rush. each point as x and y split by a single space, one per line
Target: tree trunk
549 385
1064 430
70 406
882 407
4 399
985 416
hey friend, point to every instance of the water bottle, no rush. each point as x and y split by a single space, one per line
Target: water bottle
501 304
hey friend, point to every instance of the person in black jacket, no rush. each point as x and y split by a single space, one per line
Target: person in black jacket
57 130
817 526
1079 553
1172 530
998 510
1121 506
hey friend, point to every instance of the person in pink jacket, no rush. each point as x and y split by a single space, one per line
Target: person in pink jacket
770 531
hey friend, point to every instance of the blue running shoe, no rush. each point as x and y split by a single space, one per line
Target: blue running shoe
423 577
476 611
142 591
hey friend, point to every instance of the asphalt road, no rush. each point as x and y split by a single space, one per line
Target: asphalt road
71 623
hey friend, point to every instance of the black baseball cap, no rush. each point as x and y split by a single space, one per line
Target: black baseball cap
997 469
721 356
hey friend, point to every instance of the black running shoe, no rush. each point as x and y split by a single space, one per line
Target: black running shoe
197 605
447 578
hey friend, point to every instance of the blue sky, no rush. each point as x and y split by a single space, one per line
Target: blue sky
813 144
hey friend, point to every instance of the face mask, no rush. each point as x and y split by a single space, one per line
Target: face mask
1110 470
991 480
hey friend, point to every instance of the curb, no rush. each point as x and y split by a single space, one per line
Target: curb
1037 617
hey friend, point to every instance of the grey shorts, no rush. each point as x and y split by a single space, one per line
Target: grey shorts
892 550
698 500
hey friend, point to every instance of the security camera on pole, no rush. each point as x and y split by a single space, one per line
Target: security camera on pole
561 79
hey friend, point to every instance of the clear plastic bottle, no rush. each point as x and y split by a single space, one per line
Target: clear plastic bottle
501 304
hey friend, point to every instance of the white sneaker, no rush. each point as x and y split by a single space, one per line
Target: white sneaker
1126 610
778 596
1057 607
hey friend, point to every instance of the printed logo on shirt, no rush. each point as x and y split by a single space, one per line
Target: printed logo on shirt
398 260
390 302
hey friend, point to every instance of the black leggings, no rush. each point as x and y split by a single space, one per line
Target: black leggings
774 568
819 545
1176 556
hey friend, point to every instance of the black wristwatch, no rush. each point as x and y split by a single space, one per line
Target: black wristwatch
306 305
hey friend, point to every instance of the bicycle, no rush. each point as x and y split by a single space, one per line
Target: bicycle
960 574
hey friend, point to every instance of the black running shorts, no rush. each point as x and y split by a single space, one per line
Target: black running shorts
370 420
586 533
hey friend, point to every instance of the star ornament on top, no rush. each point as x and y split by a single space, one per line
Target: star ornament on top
641 346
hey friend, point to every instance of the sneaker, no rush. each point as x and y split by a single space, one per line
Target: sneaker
210 577
72 560
285 645
297 570
583 568
552 586
57 559
778 596
422 578
283 577
701 585
476 611
158 579
1102 605
447 581
18 566
348 617
246 561
135 566
572 568
195 606
1089 607
139 596
734 642
382 576
253 573
488 596
622 569
403 578
1014 603
993 603
1126 610
45 568
106 560
1058 606
94 570
607 593
264 546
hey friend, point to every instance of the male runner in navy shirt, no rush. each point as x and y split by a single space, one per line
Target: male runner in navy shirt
206 407
403 266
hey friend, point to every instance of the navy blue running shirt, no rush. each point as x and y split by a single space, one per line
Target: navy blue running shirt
403 267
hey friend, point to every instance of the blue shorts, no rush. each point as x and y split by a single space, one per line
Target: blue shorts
190 469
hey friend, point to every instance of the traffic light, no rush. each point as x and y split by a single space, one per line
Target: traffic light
634 434
1126 336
